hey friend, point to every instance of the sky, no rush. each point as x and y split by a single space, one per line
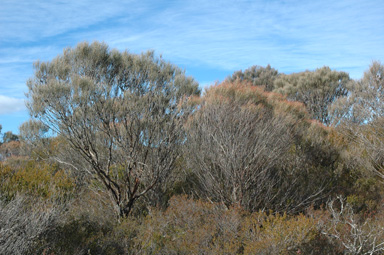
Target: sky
208 39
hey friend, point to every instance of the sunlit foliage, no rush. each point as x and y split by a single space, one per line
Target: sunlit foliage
123 113
317 90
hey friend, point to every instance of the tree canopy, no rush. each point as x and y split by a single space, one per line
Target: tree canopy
123 113
360 116
317 90
365 103
257 76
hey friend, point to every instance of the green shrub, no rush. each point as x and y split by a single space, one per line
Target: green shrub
36 179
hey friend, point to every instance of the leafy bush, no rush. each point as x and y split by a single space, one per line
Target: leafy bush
36 179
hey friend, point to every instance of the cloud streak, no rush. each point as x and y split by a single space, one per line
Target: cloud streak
35 20
289 36
10 105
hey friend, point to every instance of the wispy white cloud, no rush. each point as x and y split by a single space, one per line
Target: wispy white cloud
290 35
227 35
10 105
16 66
34 20
13 79
28 54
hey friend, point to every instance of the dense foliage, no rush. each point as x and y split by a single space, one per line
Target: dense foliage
124 156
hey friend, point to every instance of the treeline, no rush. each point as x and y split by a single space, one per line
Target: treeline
125 155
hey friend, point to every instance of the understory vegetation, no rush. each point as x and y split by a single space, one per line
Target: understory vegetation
125 155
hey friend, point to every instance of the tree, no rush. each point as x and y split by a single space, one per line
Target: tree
316 90
365 103
10 145
35 140
258 76
9 137
360 117
254 149
123 113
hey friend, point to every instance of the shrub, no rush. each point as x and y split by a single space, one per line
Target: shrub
35 178
23 220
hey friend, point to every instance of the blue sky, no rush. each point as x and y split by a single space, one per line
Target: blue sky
209 39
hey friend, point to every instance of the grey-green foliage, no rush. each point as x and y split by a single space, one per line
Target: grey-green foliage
9 137
360 116
122 112
33 130
365 103
258 76
317 90
34 135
